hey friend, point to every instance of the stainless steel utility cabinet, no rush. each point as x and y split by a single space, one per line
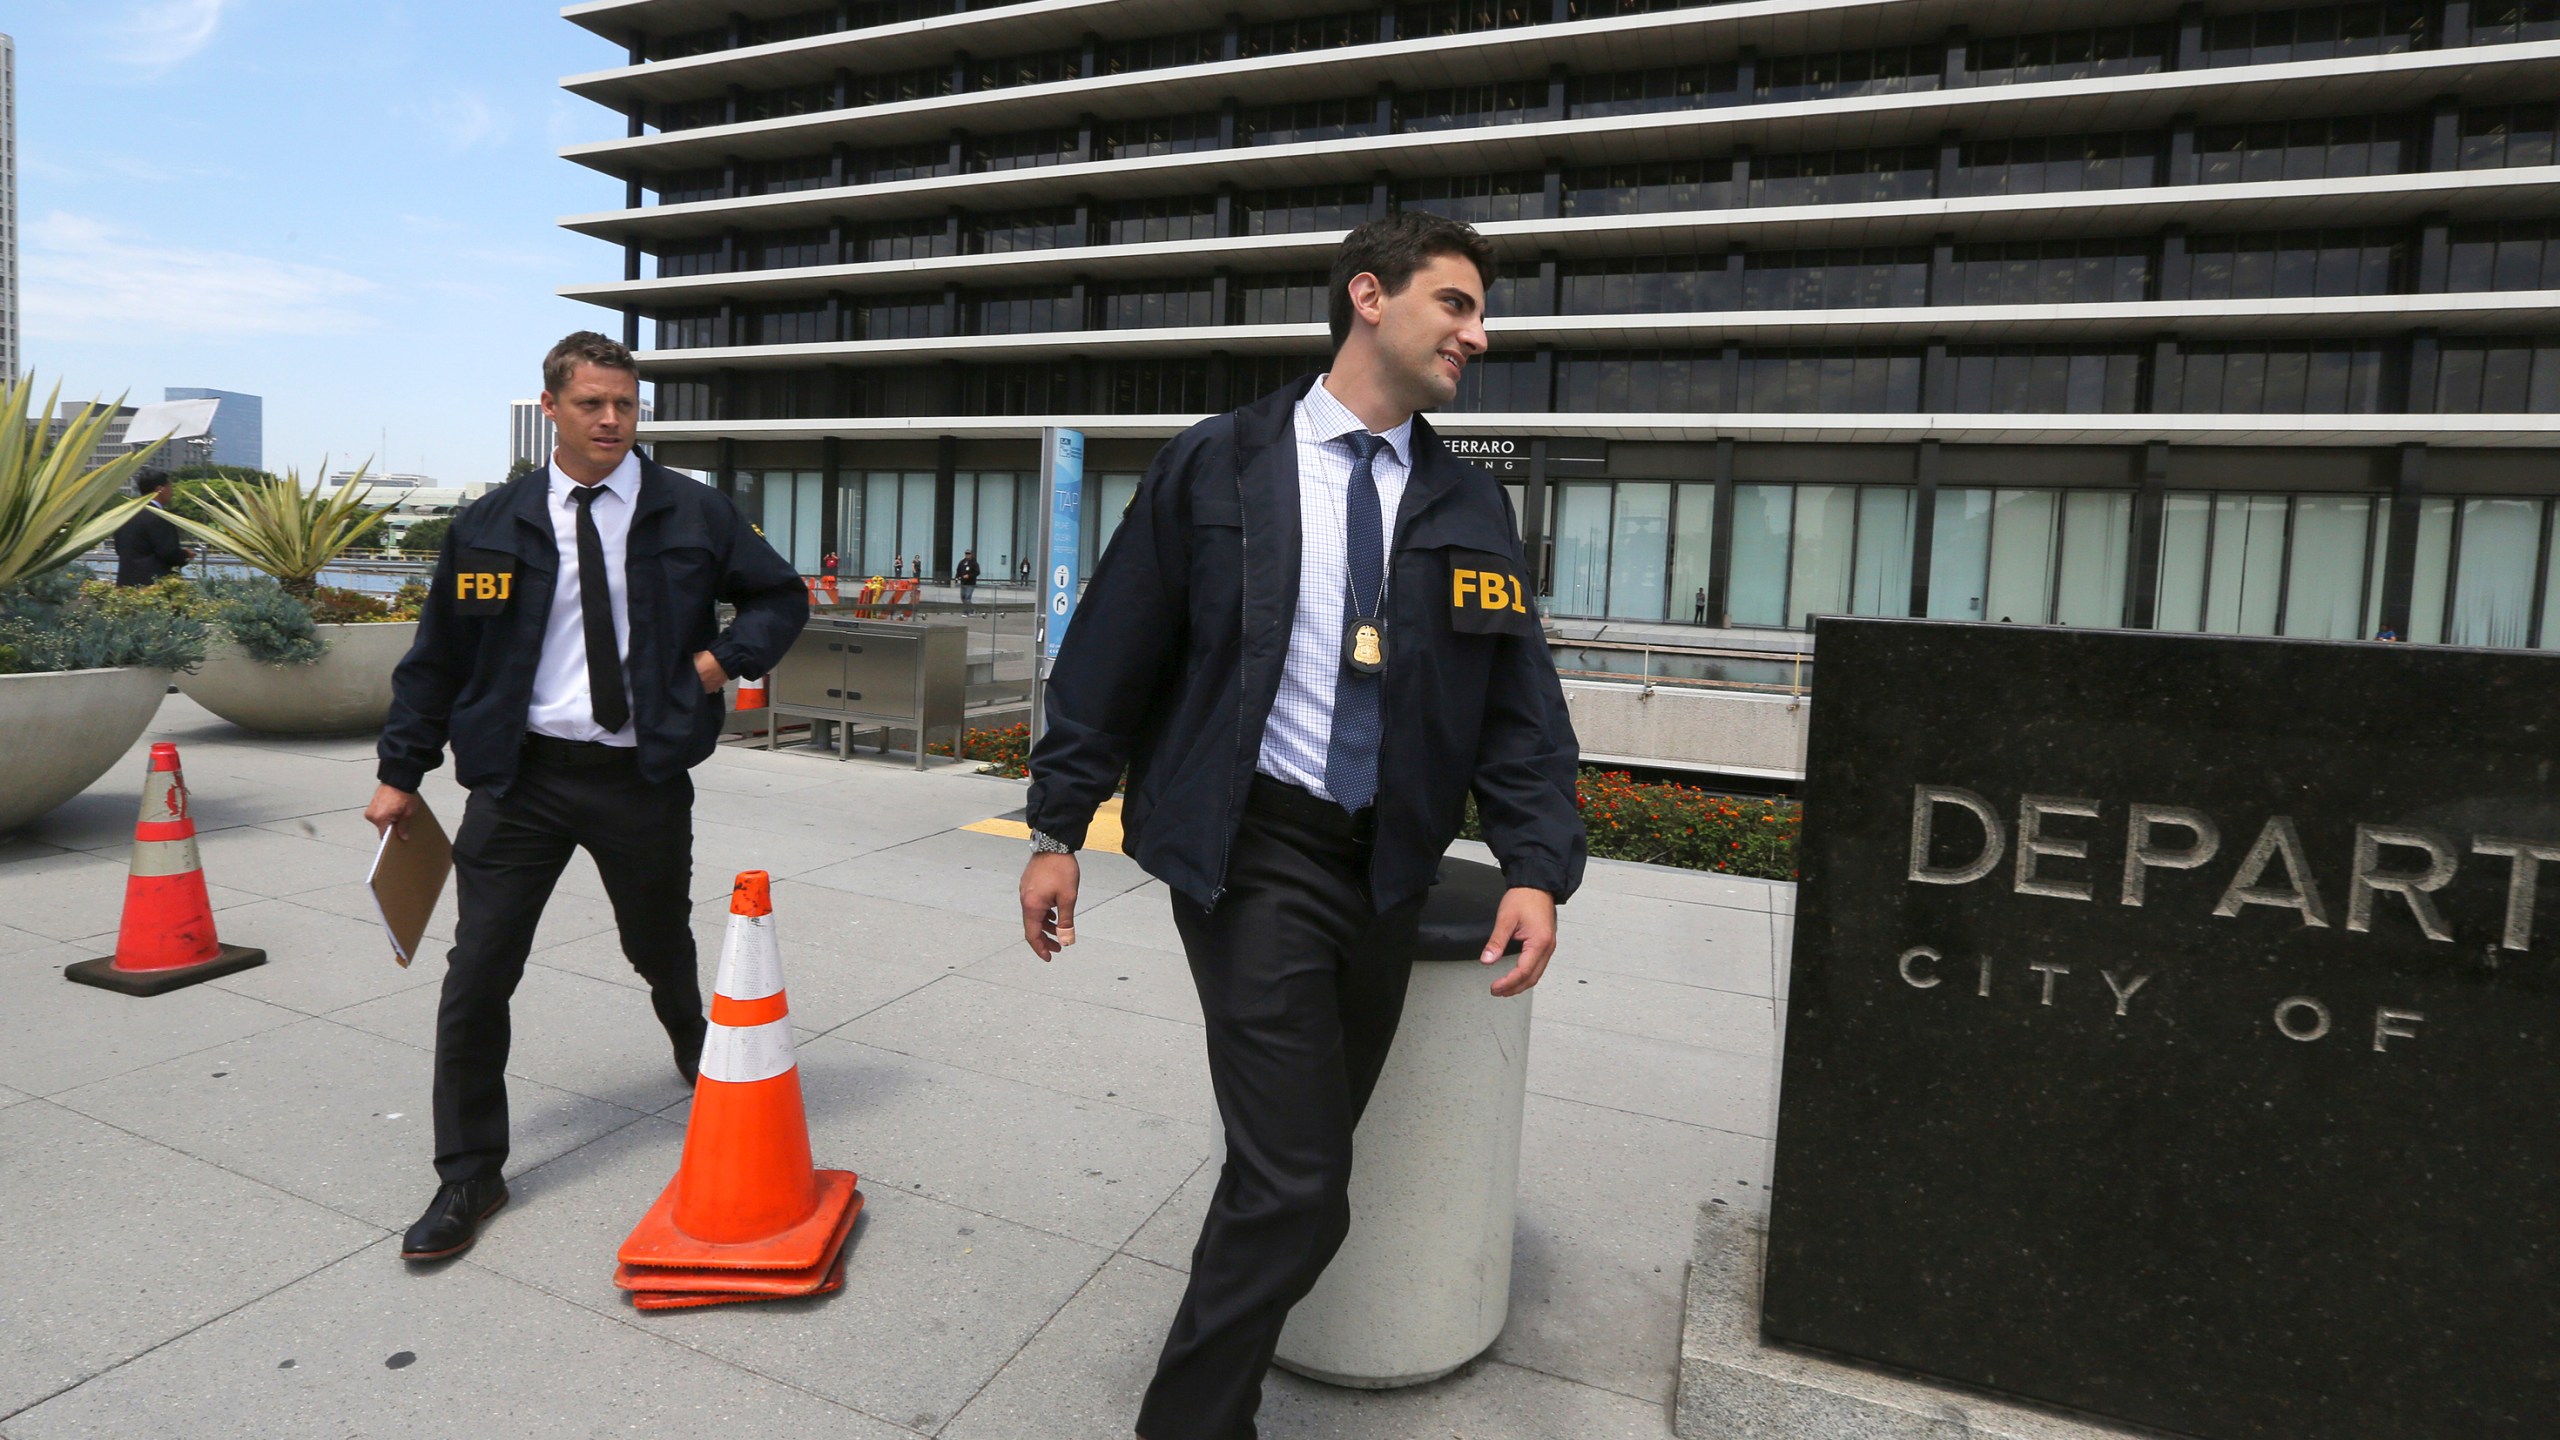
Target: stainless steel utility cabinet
874 675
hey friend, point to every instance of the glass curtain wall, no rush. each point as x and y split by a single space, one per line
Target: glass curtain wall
2031 557
2483 573
886 519
1107 498
794 508
1806 550
991 513
1634 550
2306 566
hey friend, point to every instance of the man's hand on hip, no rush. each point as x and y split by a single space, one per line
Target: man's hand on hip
1528 916
713 677
391 807
1049 903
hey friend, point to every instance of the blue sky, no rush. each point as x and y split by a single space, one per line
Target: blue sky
346 208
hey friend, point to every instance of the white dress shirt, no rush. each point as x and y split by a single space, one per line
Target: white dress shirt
561 705
1300 731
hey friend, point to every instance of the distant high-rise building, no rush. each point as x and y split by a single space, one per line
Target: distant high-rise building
8 210
239 425
531 434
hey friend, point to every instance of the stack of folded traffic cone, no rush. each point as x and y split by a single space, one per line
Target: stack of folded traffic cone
167 939
747 1217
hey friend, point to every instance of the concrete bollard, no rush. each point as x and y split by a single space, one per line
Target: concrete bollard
1423 1284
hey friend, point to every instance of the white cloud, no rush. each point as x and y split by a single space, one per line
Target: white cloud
162 33
461 120
86 280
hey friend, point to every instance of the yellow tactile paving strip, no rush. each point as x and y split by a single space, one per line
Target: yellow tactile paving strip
1103 834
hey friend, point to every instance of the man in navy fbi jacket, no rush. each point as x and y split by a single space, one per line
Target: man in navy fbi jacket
1310 640
569 653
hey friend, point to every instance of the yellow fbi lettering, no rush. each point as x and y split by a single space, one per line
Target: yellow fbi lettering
1485 590
482 585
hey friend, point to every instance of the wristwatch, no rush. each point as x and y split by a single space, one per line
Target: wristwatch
1043 843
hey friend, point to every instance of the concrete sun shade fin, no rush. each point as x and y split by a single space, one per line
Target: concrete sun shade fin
748 1215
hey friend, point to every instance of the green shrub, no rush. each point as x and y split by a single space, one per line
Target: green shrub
66 620
1667 824
269 624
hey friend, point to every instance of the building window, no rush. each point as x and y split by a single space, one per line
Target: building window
1844 177
2293 264
1649 187
1024 310
1864 380
2050 272
2047 380
2507 22
2303 149
1510 102
1306 122
919 160
781 177
2505 254
1143 306
923 82
1502 385
1835 279
1644 381
2050 164
684 400
1049 229
1296 298
1161 52
2245 377
689 257
1806 550
2308 566
1644 92
1643 284
2070 55
793 503
900 317
1025 149
2497 136
1042 67
1889 71
683 187
1166 135
1140 222
1417 18
996 514
917 239
1476 199
798 322
2314 32
2030 557
689 329
2499 376
1302 208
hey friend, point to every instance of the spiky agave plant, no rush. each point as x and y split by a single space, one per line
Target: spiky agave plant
53 506
287 531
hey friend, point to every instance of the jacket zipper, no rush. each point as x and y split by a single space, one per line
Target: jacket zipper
1244 640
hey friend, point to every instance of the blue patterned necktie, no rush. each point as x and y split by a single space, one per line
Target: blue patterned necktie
1351 760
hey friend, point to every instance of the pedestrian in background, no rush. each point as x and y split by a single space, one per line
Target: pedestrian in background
1296 798
147 545
966 573
569 652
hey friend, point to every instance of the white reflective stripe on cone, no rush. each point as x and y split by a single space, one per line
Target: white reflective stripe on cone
165 857
743 1054
750 959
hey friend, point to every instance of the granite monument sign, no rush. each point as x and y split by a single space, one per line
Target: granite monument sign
2175 1029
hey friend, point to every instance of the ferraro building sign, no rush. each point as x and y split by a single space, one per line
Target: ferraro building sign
2175 1028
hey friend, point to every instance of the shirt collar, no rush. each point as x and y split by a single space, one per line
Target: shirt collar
1328 419
624 482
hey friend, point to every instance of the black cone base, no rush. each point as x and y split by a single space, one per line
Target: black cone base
102 972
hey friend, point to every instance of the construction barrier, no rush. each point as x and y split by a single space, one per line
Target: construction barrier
748 1216
166 940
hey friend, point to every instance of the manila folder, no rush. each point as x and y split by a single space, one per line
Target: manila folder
408 876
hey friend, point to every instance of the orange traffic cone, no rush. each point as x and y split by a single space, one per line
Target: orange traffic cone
167 939
751 695
747 1215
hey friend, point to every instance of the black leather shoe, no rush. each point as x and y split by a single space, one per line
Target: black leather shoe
689 1054
453 1219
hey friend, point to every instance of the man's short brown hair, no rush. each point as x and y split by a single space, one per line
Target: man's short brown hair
1393 249
586 347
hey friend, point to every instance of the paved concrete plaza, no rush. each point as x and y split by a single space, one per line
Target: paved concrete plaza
201 1195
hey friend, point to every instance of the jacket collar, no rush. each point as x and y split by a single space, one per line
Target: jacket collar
528 498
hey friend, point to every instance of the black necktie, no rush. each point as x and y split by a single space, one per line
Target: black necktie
595 599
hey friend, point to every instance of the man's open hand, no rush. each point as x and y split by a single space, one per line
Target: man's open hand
713 677
1528 916
1049 902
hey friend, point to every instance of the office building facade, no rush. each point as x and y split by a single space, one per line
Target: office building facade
239 431
2233 317
12 345
530 434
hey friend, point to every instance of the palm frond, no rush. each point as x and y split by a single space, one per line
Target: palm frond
281 528
53 506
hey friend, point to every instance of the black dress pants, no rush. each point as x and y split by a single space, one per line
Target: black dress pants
506 857
1301 983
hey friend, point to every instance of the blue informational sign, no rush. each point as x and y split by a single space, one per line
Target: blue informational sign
1062 476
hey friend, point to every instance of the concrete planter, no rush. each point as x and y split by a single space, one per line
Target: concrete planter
64 730
1423 1284
345 691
